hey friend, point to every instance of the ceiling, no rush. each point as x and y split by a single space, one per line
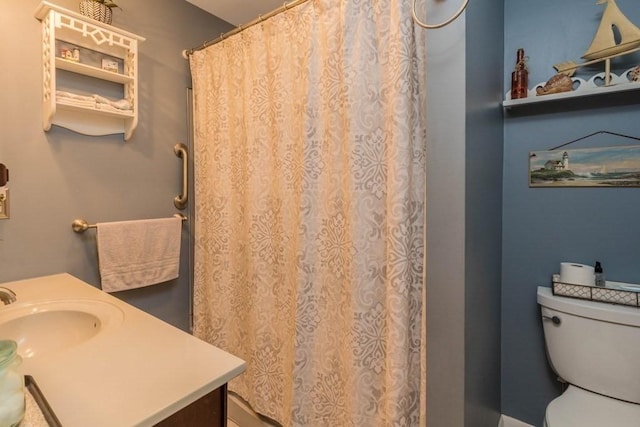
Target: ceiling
237 12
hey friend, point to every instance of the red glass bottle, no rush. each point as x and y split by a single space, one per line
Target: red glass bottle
520 77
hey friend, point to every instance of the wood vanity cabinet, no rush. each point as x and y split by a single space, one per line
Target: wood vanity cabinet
208 411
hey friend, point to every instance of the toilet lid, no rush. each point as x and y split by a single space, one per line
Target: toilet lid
580 408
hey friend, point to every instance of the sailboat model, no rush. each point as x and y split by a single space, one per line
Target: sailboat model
604 43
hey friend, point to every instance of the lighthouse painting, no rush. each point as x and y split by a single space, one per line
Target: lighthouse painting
588 167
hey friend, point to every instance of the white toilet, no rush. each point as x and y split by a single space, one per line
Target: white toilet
595 348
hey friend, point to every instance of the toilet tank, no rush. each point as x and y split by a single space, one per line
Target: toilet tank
593 345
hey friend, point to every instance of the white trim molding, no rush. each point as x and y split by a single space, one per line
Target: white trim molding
506 421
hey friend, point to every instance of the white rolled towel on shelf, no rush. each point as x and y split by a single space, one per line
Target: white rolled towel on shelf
120 104
93 101
133 254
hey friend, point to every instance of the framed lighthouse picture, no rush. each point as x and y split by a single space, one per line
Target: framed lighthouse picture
588 167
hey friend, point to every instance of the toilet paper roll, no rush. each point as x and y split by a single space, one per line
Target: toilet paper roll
577 274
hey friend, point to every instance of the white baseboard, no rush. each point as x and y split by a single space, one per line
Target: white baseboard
506 421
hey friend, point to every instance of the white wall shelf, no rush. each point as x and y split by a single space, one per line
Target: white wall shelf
81 115
593 87
124 114
88 70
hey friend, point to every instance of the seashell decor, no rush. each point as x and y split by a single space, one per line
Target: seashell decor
556 84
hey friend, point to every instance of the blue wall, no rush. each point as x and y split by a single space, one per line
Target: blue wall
545 226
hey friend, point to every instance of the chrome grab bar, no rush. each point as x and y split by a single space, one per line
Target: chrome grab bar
180 201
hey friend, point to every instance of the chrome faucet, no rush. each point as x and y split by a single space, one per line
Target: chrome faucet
7 296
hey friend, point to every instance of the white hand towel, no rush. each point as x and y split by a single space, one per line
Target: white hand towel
133 254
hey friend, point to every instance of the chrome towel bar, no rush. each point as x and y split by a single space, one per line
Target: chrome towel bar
80 225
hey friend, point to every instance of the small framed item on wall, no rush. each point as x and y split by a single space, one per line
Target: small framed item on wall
4 192
588 167
4 203
110 65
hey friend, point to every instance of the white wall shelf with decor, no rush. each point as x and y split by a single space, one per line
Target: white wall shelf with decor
82 46
593 87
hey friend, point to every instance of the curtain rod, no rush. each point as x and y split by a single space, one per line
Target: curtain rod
286 6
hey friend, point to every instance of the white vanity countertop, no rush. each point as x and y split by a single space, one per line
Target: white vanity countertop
134 373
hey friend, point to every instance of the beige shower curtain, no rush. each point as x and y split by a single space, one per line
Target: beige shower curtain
310 192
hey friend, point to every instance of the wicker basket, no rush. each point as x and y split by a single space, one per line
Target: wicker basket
95 10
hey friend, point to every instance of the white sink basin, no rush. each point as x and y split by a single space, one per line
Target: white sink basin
41 328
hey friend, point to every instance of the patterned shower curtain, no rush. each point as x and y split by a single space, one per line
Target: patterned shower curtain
310 192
